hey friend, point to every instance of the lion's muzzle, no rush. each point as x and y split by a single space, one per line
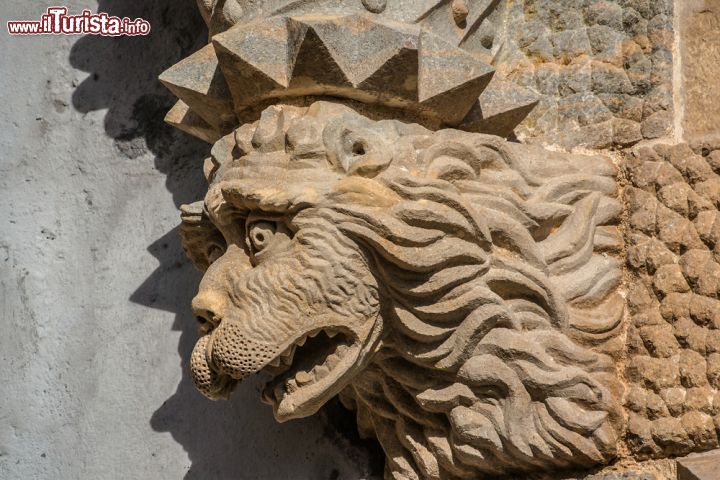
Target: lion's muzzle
226 356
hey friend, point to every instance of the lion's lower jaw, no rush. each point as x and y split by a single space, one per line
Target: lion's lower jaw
292 399
306 374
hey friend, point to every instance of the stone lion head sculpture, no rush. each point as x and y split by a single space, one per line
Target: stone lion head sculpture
456 290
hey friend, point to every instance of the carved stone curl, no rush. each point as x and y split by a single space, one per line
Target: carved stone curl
456 290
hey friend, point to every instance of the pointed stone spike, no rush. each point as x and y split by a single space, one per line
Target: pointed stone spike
182 117
443 20
360 45
500 108
479 11
263 45
255 59
199 83
450 79
426 8
397 77
314 67
439 21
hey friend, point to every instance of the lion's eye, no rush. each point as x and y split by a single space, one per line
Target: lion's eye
260 234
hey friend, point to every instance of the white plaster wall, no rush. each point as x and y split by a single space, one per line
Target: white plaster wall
95 330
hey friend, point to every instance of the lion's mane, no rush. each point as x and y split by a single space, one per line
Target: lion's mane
490 274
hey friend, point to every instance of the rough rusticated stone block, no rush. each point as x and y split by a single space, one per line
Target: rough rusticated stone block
674 366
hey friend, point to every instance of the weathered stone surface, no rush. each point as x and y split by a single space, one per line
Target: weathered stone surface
623 476
674 300
416 224
458 291
699 22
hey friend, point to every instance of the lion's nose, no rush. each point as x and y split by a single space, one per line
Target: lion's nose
207 307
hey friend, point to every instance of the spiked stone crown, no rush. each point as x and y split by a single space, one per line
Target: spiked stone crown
425 61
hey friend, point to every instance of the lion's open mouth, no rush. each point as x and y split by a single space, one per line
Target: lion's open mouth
307 370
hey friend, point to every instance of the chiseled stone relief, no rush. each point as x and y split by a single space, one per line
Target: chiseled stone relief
374 230
455 289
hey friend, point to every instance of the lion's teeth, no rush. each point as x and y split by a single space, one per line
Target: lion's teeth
287 357
275 362
267 395
303 378
341 349
291 385
331 333
332 360
321 371
301 342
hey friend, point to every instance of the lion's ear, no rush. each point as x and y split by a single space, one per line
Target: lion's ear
355 148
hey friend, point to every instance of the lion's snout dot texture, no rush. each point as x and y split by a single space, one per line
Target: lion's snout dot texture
237 355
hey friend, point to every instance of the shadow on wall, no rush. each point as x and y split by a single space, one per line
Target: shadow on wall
123 80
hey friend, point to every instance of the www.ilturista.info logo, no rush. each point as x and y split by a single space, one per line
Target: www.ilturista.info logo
56 21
